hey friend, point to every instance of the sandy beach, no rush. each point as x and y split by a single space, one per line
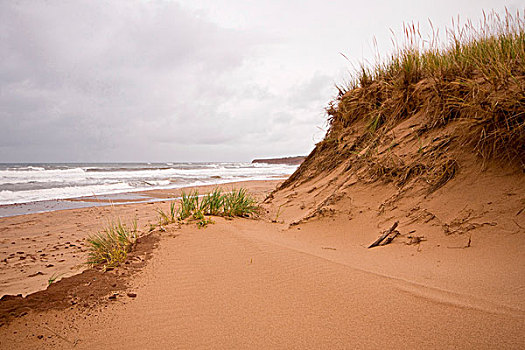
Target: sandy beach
267 282
35 247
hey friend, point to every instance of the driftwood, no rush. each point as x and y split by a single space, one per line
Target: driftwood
390 238
392 230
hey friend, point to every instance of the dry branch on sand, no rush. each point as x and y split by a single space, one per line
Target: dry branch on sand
386 237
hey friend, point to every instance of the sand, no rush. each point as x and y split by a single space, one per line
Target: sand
36 247
289 279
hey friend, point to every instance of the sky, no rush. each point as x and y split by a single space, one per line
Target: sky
196 80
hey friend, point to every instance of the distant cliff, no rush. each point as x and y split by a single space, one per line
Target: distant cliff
286 160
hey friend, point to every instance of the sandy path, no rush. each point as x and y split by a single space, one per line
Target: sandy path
233 286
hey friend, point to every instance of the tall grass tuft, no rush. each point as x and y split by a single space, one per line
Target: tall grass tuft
167 218
238 203
215 203
111 246
189 202
212 203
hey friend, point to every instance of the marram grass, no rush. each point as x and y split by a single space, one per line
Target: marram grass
189 202
238 203
216 203
167 218
475 80
213 202
111 246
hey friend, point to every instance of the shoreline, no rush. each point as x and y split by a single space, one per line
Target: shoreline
111 199
36 246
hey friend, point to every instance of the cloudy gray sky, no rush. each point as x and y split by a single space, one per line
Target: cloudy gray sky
196 80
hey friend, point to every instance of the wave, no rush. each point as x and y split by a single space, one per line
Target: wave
28 183
15 197
90 170
31 168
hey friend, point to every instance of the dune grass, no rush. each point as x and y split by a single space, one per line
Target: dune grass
420 113
216 203
189 202
213 202
238 203
111 246
476 80
167 218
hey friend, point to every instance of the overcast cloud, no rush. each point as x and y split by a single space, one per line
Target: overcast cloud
185 80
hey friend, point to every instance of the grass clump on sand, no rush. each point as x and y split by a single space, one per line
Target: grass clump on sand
167 218
189 202
111 246
235 203
213 202
216 203
238 203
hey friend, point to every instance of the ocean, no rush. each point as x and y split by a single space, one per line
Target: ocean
26 183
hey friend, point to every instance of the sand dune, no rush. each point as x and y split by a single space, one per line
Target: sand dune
242 285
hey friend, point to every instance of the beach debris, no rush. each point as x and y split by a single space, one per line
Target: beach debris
386 237
132 295
113 296
328 248
412 240
39 273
